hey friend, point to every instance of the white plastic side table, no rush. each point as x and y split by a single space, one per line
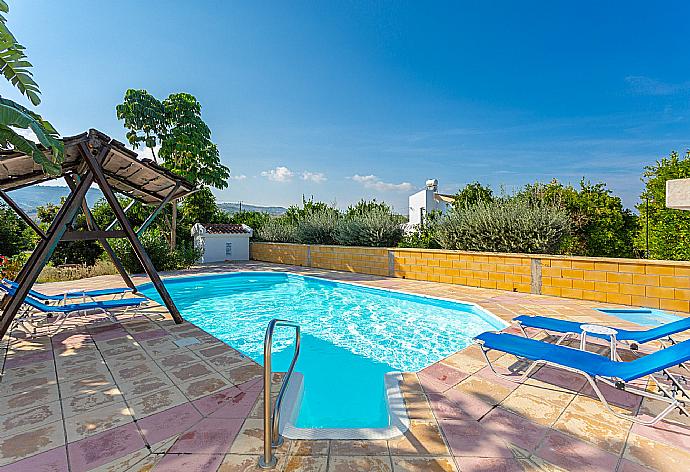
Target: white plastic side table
598 329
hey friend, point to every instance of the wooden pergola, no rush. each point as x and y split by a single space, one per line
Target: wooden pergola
90 157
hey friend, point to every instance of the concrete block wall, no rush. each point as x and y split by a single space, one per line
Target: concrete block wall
648 283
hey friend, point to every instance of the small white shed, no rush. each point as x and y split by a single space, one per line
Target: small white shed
222 242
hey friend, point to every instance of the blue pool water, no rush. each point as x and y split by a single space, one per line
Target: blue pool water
641 316
351 335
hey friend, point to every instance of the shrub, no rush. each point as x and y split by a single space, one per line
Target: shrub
424 235
158 249
277 230
318 226
376 226
511 226
10 266
14 233
51 273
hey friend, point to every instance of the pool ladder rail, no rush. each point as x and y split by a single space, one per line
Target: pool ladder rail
272 437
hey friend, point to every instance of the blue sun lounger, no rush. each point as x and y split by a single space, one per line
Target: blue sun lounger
632 337
63 311
72 294
595 367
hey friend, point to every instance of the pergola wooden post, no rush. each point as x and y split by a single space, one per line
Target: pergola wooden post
90 157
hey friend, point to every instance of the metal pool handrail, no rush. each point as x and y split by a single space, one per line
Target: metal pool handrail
272 437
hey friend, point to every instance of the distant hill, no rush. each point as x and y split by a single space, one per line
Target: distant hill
235 208
29 198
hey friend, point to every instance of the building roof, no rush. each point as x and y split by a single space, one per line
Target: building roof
141 179
444 197
227 229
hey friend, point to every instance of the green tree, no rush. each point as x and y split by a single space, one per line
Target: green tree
17 70
669 230
473 193
143 113
600 226
14 233
185 142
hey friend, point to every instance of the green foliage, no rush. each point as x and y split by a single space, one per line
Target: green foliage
294 214
364 207
473 193
254 219
512 226
70 252
14 233
142 113
186 147
17 70
600 225
13 62
156 246
278 230
669 230
318 226
369 224
10 266
424 235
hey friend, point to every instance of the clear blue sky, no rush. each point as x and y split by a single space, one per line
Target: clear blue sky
343 100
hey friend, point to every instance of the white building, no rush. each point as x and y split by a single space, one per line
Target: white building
222 242
678 194
428 200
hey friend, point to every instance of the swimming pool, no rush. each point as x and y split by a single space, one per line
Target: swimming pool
641 316
351 335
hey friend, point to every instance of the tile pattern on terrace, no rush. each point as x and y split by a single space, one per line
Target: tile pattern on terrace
115 397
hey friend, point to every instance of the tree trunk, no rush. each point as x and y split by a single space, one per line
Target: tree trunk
173 226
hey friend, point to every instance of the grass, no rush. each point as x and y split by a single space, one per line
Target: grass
63 273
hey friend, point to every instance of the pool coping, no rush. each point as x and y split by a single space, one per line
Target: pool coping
397 412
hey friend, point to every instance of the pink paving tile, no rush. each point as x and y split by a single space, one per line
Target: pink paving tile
514 429
617 397
487 374
189 462
452 404
666 432
152 334
105 447
71 340
54 460
228 403
168 423
211 403
629 466
560 378
108 333
208 436
574 455
485 464
26 359
440 377
468 438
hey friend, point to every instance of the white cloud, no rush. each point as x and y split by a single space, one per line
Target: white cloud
317 177
279 174
144 152
371 181
238 177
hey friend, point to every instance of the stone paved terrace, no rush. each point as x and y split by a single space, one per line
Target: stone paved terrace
114 397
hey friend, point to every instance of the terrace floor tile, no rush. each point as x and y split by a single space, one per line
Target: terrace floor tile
359 463
14 447
423 464
104 448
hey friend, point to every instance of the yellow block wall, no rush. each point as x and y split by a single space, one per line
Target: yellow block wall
501 271
280 253
654 284
362 260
